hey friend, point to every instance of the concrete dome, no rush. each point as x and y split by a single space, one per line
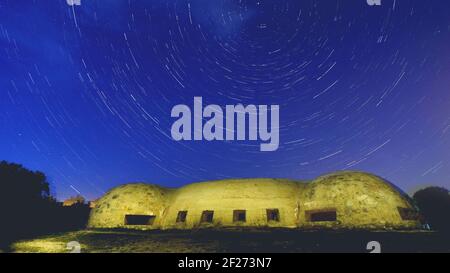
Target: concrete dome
337 200
357 200
227 198
128 205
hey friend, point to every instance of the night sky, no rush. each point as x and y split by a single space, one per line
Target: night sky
86 91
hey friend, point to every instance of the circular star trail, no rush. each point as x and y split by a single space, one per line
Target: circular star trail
87 90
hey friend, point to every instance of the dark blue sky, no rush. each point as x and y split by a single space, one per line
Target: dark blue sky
86 91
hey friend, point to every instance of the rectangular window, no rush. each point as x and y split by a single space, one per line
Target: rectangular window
408 214
239 216
327 215
273 215
207 216
181 217
139 220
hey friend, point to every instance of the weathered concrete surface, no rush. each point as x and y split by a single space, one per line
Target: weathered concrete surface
144 199
360 200
254 196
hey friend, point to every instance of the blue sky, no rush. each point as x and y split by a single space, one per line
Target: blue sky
86 91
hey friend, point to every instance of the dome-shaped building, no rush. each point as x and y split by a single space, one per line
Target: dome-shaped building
355 199
238 202
338 200
138 206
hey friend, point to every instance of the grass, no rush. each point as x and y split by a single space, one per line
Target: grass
260 241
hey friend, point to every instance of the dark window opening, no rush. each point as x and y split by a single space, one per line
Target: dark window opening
239 216
273 215
408 214
207 216
139 220
321 215
181 217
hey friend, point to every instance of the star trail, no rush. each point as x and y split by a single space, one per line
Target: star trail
86 90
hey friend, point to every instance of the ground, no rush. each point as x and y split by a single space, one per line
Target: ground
283 240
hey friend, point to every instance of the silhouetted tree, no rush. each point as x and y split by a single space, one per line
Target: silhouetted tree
28 209
22 192
434 205
16 181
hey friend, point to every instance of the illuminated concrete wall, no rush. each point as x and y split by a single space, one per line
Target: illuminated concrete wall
132 199
253 196
339 200
359 199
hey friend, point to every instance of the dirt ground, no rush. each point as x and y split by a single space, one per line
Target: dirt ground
242 241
